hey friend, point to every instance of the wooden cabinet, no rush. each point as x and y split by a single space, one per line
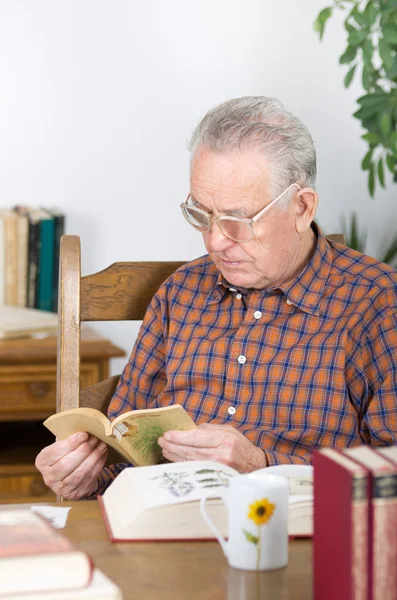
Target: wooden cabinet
27 397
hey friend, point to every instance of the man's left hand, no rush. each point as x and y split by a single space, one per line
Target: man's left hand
221 443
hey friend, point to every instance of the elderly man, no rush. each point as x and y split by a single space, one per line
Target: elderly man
277 341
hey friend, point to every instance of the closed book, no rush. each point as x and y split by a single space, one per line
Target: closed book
10 223
36 558
162 502
340 566
100 588
34 242
382 495
46 264
59 229
22 266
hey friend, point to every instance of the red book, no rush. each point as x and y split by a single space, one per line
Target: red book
382 492
340 527
36 557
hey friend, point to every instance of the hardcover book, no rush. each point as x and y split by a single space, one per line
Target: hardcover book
340 527
100 588
36 558
382 498
133 434
161 502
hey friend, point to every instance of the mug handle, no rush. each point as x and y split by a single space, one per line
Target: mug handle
203 509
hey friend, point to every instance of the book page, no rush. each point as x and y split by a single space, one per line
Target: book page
175 483
71 421
138 431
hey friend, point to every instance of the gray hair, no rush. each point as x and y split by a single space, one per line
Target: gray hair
259 122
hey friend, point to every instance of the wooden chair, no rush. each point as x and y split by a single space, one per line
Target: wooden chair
119 293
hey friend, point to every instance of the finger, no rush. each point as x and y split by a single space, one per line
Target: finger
70 462
54 452
185 452
217 426
197 438
79 482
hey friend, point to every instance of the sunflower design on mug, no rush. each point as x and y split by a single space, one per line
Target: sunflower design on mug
260 512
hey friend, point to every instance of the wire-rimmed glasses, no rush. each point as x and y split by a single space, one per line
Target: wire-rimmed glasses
238 229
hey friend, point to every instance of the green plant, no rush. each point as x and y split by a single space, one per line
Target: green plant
371 28
356 239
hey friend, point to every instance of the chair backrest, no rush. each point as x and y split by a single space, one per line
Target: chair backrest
119 293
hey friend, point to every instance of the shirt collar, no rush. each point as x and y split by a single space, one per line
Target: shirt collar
306 290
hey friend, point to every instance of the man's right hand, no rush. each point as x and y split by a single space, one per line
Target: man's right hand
70 467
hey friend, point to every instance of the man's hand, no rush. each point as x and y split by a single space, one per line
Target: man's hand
70 467
221 443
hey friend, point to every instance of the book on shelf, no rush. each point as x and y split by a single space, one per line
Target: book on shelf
37 558
29 256
133 434
100 588
340 546
382 521
161 502
10 248
17 322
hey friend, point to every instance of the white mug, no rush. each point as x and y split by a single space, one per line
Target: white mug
258 521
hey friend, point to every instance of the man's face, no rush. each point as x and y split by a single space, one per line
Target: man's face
238 184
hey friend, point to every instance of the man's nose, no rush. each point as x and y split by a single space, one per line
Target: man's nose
216 239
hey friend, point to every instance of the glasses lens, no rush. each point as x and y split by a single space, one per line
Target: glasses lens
196 218
236 230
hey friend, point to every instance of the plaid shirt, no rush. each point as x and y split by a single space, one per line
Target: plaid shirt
312 363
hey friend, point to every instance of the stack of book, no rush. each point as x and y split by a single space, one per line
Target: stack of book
29 255
355 523
38 562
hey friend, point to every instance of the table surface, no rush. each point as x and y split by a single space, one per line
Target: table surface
184 570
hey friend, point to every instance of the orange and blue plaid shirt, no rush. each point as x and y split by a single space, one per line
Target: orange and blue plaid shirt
312 363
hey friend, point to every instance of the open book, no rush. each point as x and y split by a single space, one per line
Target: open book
161 502
133 434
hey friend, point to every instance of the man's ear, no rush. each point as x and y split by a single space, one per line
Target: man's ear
306 201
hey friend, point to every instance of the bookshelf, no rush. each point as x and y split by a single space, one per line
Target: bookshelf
27 397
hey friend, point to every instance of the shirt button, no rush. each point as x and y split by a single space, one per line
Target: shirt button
289 301
231 410
239 296
257 314
233 289
241 359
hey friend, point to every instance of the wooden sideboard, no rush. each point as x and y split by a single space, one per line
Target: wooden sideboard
27 397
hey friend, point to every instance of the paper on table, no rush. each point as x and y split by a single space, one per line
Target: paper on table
56 515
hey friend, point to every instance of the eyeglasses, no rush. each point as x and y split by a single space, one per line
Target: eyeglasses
238 229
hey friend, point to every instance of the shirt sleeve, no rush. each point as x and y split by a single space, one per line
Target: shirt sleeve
379 410
142 380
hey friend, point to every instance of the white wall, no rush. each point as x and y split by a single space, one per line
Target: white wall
98 97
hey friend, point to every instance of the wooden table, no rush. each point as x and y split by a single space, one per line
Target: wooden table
184 571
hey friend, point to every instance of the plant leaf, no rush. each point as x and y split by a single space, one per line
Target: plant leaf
250 537
385 123
322 18
371 138
391 163
390 33
349 76
381 172
367 160
356 38
371 180
348 55
391 252
386 54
